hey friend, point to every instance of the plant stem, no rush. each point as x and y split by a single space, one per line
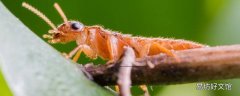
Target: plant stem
195 65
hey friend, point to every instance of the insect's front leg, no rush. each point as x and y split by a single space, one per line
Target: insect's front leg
74 51
78 50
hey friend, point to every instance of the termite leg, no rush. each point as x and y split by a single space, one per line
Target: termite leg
76 57
72 52
145 89
143 53
145 50
89 52
166 51
117 88
81 48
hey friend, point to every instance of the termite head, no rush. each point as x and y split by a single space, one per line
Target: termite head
66 32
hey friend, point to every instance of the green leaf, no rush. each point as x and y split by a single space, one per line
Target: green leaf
33 68
4 89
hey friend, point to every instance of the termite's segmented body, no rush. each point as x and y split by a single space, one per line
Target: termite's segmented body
95 41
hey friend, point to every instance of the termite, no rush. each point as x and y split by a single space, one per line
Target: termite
96 41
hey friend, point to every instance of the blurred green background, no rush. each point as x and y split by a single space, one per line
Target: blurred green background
211 22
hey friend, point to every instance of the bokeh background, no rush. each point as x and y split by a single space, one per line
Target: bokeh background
211 22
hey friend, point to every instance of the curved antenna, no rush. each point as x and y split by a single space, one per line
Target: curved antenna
39 14
60 11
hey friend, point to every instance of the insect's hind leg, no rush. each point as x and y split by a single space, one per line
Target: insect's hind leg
145 90
143 52
164 50
146 50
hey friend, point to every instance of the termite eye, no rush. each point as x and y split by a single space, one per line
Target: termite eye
77 26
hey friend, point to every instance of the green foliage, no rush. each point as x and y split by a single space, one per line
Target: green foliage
4 88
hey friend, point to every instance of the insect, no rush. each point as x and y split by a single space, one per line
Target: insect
96 41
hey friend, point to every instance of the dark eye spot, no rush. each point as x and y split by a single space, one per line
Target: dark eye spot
77 26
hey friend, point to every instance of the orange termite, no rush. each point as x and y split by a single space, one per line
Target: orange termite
96 41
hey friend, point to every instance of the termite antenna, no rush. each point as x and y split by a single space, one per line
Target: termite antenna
39 13
60 11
